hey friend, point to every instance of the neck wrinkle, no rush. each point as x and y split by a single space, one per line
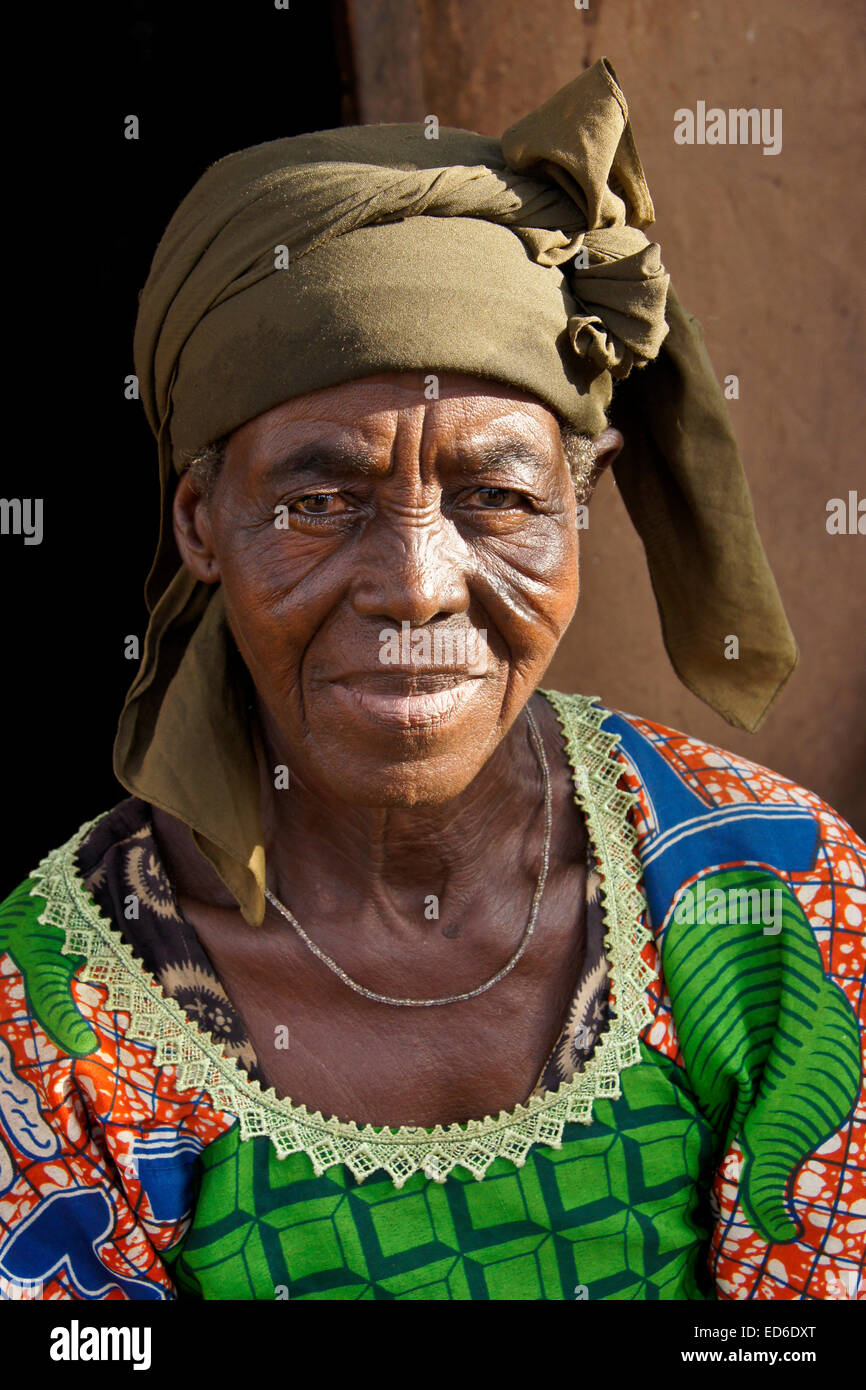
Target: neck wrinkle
389 853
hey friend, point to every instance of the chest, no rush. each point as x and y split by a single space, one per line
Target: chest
324 1045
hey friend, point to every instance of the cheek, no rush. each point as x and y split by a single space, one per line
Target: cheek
560 577
530 587
277 597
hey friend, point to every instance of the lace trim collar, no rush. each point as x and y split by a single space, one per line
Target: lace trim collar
202 1063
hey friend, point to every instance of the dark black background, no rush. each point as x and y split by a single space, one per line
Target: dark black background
85 210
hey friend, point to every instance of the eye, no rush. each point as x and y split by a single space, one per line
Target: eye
497 498
319 504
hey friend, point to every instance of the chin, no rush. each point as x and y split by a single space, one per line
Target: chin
416 781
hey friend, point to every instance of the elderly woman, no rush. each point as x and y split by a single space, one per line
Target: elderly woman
397 976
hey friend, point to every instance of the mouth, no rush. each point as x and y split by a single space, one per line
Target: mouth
400 700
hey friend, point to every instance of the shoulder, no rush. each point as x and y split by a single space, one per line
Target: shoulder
699 809
46 925
692 793
737 858
678 777
39 959
81 858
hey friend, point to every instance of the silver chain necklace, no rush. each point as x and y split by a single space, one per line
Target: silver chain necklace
509 965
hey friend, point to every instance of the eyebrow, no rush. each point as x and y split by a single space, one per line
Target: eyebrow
492 454
315 462
330 461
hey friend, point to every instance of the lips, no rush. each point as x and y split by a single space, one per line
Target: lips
403 700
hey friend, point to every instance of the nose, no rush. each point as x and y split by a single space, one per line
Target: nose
414 570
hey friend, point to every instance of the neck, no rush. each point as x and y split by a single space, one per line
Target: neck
331 858
404 853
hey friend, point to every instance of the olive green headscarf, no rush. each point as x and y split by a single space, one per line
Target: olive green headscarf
310 261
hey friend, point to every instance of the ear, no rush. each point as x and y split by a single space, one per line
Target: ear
192 532
606 446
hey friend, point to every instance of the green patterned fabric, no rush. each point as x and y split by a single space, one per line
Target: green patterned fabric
770 1043
37 949
612 1214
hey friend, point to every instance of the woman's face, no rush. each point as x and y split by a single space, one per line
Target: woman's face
397 573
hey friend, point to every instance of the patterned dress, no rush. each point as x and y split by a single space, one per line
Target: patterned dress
698 1131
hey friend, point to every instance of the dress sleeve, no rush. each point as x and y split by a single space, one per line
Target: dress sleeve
73 1220
789 1196
756 892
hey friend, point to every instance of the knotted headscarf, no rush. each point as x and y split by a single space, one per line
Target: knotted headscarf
310 261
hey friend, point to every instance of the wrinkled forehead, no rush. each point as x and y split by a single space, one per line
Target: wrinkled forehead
381 421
